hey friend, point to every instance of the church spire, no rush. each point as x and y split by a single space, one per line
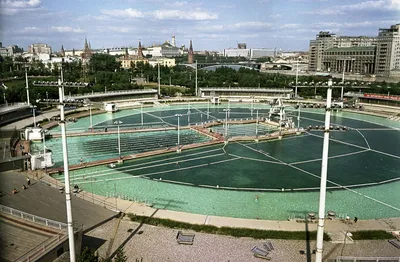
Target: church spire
140 51
190 53
62 52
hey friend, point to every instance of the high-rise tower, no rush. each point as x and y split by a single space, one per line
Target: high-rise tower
388 51
190 53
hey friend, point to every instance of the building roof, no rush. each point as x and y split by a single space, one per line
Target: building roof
353 48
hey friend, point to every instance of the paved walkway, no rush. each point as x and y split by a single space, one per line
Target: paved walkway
46 201
331 226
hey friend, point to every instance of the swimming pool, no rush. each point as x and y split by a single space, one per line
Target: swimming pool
284 174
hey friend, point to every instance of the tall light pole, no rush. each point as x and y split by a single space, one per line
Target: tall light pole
119 139
256 122
141 112
341 93
226 124
297 77
324 171
159 80
71 237
90 117
298 121
44 148
188 113
196 80
178 150
252 106
27 86
208 109
34 115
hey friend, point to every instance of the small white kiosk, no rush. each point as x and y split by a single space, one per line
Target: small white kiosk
110 107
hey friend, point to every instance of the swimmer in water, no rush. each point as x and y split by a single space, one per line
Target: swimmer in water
256 198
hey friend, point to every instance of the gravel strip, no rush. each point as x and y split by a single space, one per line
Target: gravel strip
159 244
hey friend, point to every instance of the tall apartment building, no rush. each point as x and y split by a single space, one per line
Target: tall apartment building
388 51
39 49
325 41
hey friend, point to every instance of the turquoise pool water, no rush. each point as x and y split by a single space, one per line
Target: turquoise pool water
367 153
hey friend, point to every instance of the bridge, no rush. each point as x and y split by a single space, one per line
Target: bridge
208 66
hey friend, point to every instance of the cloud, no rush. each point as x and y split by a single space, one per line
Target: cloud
9 7
385 5
177 4
183 15
66 29
125 13
20 4
324 12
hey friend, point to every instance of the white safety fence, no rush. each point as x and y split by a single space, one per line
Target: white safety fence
33 218
367 259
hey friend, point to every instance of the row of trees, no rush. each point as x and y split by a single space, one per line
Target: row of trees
104 73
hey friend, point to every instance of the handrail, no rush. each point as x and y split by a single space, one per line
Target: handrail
33 218
348 258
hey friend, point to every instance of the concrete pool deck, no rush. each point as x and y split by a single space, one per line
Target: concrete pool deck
331 226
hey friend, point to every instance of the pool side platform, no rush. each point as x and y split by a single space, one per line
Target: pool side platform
331 226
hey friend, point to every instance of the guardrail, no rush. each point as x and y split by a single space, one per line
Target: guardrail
40 250
360 259
33 218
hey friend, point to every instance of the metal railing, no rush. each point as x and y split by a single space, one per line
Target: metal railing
360 259
33 218
43 248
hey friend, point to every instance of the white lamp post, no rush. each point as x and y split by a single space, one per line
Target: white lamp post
27 86
196 80
256 122
34 115
44 148
208 109
188 113
141 112
119 139
71 237
226 124
179 147
90 116
324 172
159 80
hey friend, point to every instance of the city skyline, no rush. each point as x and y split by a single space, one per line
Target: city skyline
211 26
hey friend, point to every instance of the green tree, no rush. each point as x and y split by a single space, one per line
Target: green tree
88 255
120 255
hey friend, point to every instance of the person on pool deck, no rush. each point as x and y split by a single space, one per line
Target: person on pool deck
23 187
14 191
28 181
355 219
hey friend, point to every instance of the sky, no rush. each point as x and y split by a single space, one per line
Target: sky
211 24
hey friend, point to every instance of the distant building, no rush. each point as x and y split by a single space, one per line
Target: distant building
129 61
190 53
357 59
388 51
326 40
163 50
262 52
164 61
242 46
10 50
236 52
39 49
